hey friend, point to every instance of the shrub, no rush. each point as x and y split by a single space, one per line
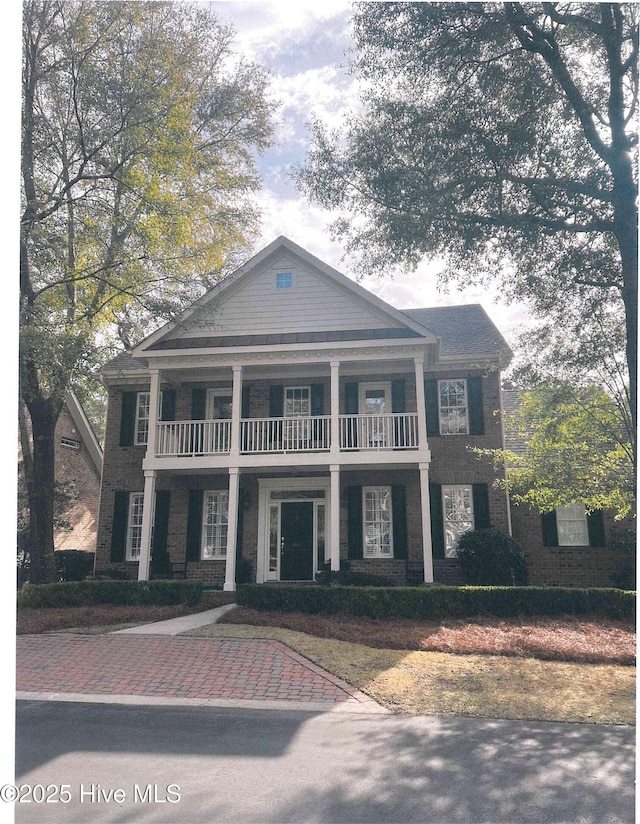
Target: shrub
244 571
439 602
350 578
129 593
112 572
488 557
73 564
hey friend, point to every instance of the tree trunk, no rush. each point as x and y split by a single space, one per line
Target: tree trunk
41 490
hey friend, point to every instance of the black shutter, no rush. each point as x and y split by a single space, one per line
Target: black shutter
437 525
168 409
128 418
276 401
159 558
398 396
119 526
351 398
246 401
475 406
431 406
481 518
549 528
194 524
595 525
351 408
399 515
317 399
198 403
354 521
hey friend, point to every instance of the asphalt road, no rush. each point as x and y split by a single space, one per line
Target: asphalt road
216 765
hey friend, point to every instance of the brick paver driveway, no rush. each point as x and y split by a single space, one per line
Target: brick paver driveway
181 667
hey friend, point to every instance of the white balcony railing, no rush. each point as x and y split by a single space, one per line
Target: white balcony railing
395 431
272 435
186 438
310 434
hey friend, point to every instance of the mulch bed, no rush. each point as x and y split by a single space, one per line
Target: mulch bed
569 638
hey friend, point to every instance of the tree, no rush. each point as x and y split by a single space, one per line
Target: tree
499 137
138 133
568 444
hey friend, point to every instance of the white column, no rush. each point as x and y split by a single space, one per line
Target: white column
421 406
232 529
154 397
335 406
425 506
334 518
236 410
147 523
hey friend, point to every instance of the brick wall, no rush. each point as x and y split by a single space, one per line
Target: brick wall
75 467
568 566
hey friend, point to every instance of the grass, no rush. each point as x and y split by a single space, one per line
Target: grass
446 684
565 669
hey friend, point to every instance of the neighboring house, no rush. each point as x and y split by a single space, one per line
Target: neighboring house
78 467
564 547
292 419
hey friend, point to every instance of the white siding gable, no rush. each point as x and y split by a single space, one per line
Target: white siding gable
315 302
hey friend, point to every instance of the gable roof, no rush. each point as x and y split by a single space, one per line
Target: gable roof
85 430
376 317
464 330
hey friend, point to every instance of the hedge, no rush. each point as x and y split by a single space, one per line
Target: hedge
129 593
438 602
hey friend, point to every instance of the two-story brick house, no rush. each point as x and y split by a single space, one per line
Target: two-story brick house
293 419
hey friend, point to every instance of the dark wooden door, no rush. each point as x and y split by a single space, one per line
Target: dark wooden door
296 543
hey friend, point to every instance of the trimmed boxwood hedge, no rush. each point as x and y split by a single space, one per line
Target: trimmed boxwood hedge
129 593
438 602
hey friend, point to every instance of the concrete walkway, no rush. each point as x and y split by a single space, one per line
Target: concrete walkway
174 626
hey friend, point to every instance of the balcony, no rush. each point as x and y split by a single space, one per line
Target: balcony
264 436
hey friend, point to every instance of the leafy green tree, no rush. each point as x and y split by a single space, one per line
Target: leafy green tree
498 137
139 128
567 444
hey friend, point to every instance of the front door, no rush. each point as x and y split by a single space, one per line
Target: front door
296 541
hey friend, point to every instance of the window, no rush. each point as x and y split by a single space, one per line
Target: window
215 524
297 401
142 416
70 442
452 400
284 280
572 525
377 525
457 516
134 526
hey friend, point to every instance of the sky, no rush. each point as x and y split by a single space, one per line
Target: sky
305 46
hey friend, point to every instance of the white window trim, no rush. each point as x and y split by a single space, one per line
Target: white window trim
139 441
452 551
222 551
378 553
135 499
466 398
286 389
217 393
285 288
566 515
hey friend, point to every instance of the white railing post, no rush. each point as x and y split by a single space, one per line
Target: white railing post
236 407
335 407
154 397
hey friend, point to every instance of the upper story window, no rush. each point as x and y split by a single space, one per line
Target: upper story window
284 280
453 407
143 403
297 401
572 525
70 442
